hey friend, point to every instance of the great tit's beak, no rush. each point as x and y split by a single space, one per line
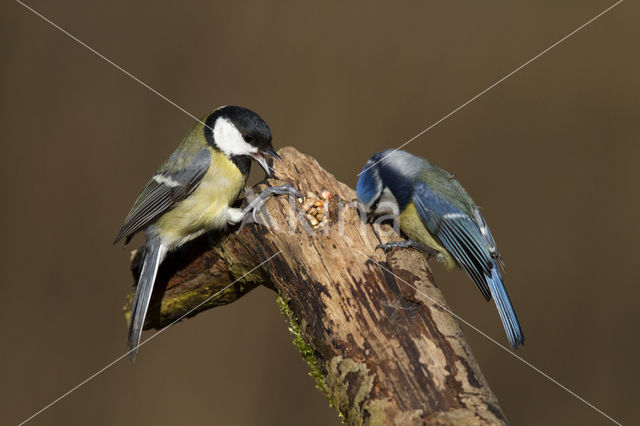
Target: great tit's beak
272 153
259 157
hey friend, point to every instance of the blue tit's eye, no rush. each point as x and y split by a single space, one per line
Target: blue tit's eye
249 138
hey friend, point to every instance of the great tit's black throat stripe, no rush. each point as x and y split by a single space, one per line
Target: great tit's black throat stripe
243 163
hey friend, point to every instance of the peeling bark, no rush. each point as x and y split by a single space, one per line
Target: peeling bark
382 352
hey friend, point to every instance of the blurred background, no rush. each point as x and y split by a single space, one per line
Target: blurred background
551 154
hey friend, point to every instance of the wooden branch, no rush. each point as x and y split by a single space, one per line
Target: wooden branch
382 352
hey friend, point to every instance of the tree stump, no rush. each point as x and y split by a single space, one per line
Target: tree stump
379 347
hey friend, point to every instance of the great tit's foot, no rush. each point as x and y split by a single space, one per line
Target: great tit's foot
407 244
256 204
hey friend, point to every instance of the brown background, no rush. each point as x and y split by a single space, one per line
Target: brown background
551 154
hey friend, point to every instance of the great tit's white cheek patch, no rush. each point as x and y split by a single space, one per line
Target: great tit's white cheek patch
229 139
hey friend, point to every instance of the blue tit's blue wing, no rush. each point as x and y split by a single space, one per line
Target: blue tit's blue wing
486 233
505 308
471 244
457 232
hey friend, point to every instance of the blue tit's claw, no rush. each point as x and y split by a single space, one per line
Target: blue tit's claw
384 247
407 244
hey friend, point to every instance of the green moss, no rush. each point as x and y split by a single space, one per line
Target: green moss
306 351
241 267
179 304
361 407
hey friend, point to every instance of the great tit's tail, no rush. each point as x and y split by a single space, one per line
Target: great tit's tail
153 256
505 309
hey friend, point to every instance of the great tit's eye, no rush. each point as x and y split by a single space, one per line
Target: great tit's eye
249 138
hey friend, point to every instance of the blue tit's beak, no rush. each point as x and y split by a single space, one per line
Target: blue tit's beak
371 217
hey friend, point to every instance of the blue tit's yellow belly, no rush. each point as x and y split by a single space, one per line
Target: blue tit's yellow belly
206 208
413 228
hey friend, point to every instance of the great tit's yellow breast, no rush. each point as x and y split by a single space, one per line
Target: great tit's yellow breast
206 207
413 228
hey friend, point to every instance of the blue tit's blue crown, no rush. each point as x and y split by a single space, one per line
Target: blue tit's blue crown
369 186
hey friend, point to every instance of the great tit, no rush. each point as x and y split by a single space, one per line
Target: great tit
192 193
435 211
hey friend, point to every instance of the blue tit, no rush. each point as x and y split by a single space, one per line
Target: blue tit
435 211
193 192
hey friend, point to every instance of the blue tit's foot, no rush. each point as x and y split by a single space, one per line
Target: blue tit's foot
256 204
407 244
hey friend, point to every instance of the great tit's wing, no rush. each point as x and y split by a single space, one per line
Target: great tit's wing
168 186
457 232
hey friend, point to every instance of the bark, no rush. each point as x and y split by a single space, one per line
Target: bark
381 351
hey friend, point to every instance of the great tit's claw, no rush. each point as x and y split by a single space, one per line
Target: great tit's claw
256 204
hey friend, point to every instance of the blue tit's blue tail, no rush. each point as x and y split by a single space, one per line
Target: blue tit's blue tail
505 309
153 256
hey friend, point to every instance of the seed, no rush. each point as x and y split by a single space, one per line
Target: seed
300 200
318 204
311 195
312 220
320 217
326 194
313 211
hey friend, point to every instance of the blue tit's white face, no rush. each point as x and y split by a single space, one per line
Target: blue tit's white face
375 199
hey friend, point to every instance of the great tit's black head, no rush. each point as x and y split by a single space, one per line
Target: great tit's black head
386 182
238 132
